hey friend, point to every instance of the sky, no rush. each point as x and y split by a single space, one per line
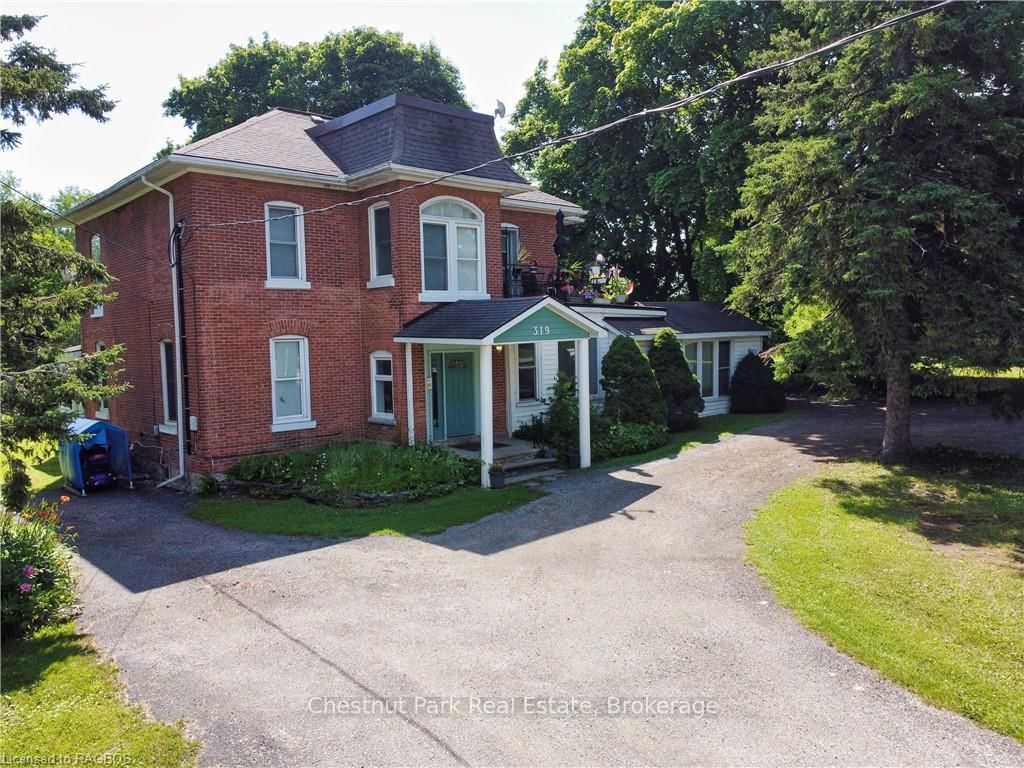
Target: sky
138 49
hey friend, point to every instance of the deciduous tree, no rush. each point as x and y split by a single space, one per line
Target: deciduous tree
338 74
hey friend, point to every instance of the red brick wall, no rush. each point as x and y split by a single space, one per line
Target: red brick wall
231 316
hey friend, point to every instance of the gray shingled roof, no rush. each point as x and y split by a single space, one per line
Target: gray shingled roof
536 196
275 139
406 130
398 129
466 319
686 317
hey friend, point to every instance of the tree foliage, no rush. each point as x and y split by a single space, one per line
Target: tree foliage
338 74
754 388
45 284
631 390
884 204
34 83
660 192
679 386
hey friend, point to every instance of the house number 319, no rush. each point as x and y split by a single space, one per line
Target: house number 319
542 330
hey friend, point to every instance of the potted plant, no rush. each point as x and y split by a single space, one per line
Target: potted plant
497 473
618 289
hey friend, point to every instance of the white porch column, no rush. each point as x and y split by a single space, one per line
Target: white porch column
410 409
486 415
583 392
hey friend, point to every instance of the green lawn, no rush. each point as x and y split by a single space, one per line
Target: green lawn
711 430
299 518
43 467
919 574
61 700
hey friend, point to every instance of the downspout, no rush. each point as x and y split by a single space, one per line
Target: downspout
179 389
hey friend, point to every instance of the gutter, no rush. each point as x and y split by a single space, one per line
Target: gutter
178 382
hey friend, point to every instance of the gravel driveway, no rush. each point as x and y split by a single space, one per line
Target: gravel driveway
624 585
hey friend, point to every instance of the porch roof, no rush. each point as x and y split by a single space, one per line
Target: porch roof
483 321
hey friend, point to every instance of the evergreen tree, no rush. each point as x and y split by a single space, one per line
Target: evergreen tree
754 388
884 203
631 390
678 384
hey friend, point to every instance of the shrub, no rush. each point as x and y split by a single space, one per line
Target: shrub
360 468
563 417
37 583
631 390
678 384
754 388
617 438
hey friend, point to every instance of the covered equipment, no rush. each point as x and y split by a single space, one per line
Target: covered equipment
102 459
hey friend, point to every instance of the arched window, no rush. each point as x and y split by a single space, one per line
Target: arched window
289 383
382 386
94 251
452 245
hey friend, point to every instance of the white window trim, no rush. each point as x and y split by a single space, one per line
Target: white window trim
169 425
102 405
290 283
376 415
452 294
537 378
302 420
96 253
379 281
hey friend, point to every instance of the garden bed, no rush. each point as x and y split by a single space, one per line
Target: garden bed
348 475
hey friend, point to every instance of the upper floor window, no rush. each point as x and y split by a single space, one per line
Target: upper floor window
380 247
383 392
289 368
286 246
452 242
94 251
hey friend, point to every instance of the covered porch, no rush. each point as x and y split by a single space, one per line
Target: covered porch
458 343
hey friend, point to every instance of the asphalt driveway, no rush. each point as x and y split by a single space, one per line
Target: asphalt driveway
618 585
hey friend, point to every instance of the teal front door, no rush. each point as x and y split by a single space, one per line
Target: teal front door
453 396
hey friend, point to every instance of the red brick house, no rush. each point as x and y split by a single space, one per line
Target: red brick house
306 313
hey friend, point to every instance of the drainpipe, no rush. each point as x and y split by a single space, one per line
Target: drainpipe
179 389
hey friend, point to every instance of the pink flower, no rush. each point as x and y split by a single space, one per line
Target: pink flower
28 571
26 587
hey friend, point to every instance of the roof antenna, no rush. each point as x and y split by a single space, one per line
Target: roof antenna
499 111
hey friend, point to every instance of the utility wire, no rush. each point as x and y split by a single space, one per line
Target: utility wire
573 137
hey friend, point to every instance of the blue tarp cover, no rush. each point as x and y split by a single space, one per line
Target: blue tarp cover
113 438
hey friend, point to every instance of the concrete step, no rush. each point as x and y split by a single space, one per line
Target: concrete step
516 466
544 476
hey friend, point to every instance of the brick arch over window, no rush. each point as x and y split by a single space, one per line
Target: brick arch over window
165 330
289 328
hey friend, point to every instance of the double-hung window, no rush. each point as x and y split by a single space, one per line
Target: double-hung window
380 247
168 380
383 386
567 358
286 246
707 369
527 372
724 367
452 247
102 406
94 252
289 366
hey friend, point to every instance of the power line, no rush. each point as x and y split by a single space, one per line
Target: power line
573 137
